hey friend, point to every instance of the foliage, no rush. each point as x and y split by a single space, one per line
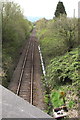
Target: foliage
41 23
71 104
60 9
59 43
64 70
67 28
59 36
56 100
62 75
16 30
46 99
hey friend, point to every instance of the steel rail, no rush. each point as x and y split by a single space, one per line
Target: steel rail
32 72
22 71
32 75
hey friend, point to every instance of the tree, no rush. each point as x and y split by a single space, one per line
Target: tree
15 31
60 9
67 28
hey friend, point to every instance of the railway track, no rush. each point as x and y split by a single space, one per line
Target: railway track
25 82
26 79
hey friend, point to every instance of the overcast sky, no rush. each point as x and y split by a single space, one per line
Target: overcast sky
46 8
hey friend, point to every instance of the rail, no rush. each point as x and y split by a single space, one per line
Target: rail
22 72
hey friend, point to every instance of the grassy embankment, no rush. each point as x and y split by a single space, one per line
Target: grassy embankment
59 44
16 30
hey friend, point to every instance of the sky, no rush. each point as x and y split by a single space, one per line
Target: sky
46 8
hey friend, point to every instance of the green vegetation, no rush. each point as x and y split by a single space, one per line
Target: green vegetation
71 104
55 99
57 36
60 9
60 45
16 30
62 73
64 70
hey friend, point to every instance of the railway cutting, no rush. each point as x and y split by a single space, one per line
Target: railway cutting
26 79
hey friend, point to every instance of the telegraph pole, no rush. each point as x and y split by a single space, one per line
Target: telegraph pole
74 13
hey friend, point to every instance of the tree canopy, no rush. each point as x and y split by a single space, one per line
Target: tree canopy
60 9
